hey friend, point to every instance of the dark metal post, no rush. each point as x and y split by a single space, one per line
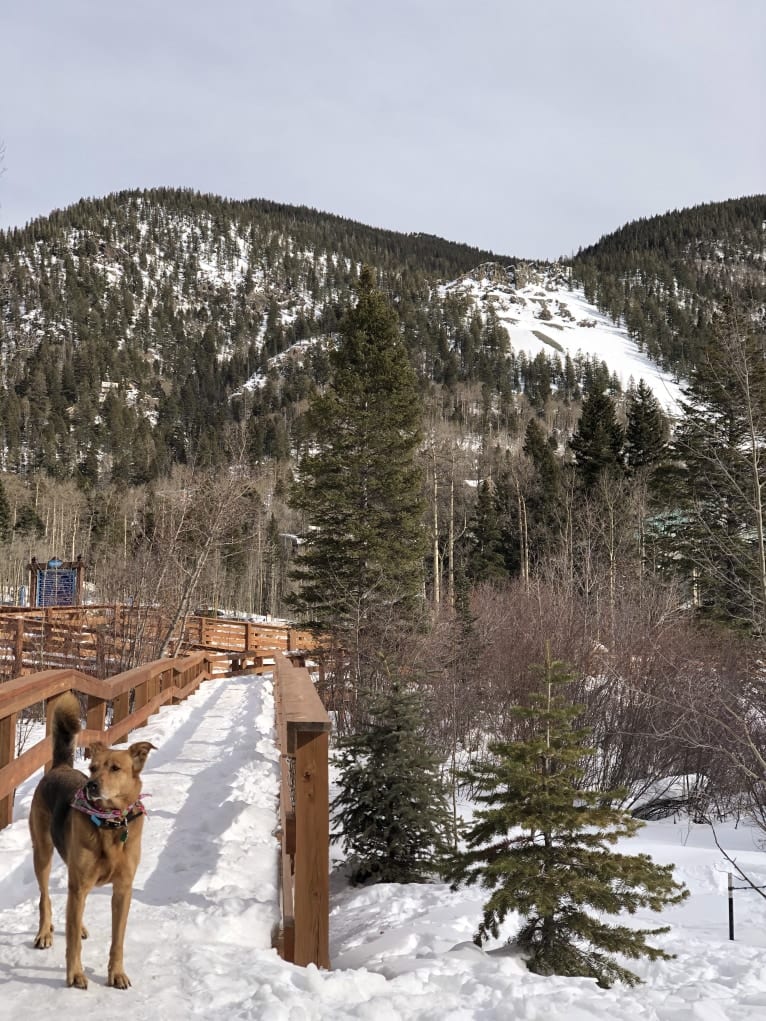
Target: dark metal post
731 906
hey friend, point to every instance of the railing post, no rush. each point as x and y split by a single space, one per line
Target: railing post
7 755
95 714
140 696
120 707
312 850
18 648
179 678
167 679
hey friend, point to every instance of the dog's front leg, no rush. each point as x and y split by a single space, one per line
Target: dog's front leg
75 907
121 896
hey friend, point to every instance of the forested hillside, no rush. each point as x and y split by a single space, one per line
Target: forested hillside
663 275
130 325
152 340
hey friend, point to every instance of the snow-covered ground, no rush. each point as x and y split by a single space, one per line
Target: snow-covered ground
198 941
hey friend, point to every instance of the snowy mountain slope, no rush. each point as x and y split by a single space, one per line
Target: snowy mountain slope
545 317
548 316
198 940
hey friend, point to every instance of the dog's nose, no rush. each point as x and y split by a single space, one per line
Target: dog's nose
91 788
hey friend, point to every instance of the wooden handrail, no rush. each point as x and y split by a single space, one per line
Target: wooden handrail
152 685
95 638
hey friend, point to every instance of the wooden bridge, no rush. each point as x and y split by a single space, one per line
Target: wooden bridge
44 653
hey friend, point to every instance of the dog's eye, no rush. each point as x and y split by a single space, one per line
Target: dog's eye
92 770
114 767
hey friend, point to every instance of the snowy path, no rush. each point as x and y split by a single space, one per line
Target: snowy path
198 941
205 895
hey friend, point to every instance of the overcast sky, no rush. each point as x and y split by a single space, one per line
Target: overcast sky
530 127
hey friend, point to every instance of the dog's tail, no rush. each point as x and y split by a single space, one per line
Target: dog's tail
66 727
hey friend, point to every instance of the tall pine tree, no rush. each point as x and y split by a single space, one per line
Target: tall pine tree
359 485
718 489
486 561
543 847
646 435
598 440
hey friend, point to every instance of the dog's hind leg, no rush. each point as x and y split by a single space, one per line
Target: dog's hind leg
121 896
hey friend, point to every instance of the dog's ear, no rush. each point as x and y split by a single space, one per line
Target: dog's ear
96 750
139 752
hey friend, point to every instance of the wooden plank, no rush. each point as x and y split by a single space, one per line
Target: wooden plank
18 647
303 707
289 833
7 755
312 853
120 707
25 765
140 696
287 935
95 716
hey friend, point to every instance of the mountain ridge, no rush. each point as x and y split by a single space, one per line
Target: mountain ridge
131 324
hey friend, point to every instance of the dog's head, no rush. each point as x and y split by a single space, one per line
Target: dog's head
115 774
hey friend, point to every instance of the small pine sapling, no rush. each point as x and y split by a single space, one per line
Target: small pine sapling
391 812
543 847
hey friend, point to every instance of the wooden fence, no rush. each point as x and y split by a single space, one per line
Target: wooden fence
303 728
303 731
103 639
99 640
250 646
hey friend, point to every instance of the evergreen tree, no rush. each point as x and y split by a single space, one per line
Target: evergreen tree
543 847
391 810
646 435
598 440
486 561
545 495
359 485
717 490
5 516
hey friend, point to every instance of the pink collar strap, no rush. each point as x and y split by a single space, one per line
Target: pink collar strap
110 818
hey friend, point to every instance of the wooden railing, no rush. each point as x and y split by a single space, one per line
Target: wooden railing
102 639
251 646
99 640
303 730
133 697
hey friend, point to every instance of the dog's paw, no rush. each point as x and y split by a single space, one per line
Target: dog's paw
118 979
84 933
78 980
44 939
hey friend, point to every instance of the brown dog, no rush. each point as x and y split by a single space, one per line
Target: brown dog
95 824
